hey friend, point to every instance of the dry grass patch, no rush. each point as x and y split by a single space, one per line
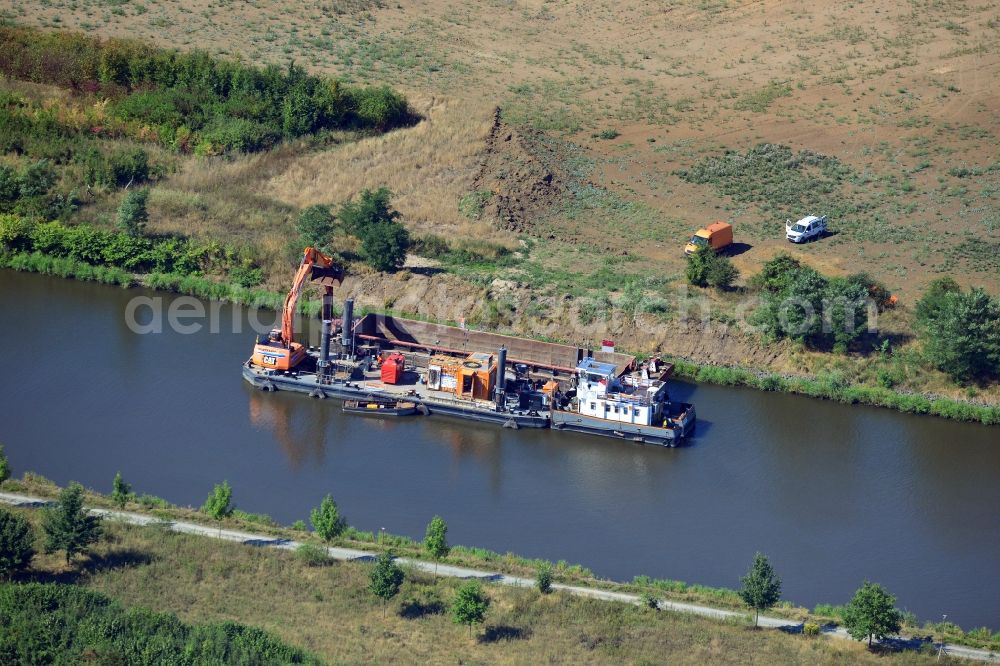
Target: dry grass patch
428 167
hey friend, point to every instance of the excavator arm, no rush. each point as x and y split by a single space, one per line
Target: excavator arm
317 268
279 351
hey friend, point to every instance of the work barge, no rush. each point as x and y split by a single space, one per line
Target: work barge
476 375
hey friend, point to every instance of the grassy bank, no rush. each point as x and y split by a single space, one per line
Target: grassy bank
508 563
328 611
831 387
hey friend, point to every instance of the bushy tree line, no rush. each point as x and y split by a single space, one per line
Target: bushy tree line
371 219
38 133
193 101
30 191
960 330
122 249
81 625
798 302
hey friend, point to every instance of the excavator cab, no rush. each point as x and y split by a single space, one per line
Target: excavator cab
279 351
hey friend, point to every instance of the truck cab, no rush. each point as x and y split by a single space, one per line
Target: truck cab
718 236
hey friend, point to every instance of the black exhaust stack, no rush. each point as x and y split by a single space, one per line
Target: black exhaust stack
501 393
347 328
323 365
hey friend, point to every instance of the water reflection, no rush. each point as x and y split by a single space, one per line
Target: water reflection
279 413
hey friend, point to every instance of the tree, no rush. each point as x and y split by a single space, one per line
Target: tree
327 521
315 225
68 526
436 539
384 246
121 492
932 302
706 268
721 272
132 214
4 466
872 614
219 504
10 184
38 179
777 274
372 208
470 605
961 334
845 310
543 578
761 586
17 543
385 578
384 241
697 266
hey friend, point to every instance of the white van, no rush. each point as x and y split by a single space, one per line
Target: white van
808 228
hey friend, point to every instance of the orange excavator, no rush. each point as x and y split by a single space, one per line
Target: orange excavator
279 349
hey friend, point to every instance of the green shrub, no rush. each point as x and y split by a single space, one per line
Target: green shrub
247 277
649 600
240 134
15 233
315 225
721 272
960 331
69 624
312 555
810 629
132 214
384 245
378 107
258 518
119 169
543 578
152 502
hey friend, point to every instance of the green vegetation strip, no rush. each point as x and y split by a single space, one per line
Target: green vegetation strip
80 624
830 387
189 102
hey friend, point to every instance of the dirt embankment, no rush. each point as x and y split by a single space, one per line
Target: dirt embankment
447 298
523 187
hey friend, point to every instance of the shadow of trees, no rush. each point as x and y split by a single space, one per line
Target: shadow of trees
413 609
503 632
89 564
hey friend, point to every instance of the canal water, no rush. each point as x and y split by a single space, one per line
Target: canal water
833 494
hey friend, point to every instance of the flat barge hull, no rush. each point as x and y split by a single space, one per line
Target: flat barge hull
357 391
630 432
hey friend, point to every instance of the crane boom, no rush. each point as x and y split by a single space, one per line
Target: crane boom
280 351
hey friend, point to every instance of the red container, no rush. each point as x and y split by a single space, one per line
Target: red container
392 368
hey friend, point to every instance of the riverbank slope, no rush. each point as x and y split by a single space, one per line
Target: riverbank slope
327 609
504 570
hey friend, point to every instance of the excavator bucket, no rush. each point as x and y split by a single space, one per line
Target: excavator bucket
326 276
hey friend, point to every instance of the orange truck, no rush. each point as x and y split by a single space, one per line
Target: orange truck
718 236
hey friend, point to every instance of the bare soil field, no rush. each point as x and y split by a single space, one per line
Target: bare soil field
622 128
